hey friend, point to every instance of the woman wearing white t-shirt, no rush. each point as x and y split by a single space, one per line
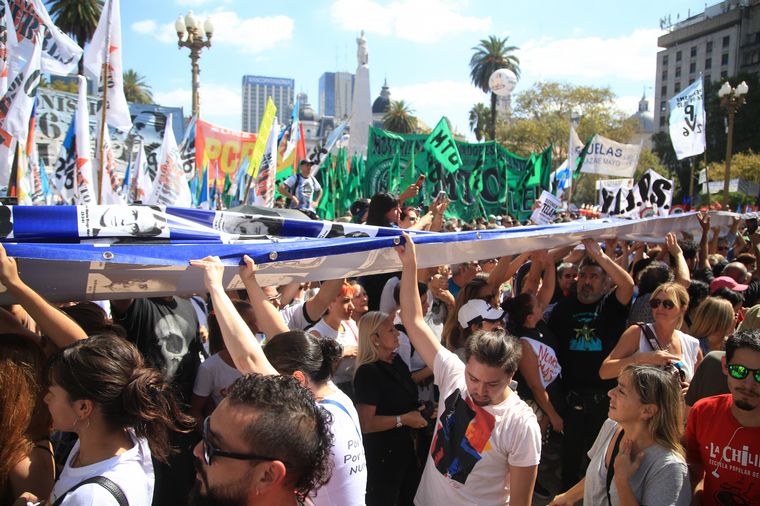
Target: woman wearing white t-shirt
661 343
337 324
121 411
307 357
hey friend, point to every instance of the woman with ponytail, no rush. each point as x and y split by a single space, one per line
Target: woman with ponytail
310 359
122 412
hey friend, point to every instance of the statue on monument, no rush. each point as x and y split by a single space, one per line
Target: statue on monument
362 56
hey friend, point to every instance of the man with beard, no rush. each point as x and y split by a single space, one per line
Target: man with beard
588 324
487 442
723 432
268 442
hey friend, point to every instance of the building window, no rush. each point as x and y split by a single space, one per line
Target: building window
692 67
663 108
677 87
662 121
663 91
708 63
678 71
664 75
691 80
724 59
678 55
708 48
694 52
665 59
726 41
724 74
708 78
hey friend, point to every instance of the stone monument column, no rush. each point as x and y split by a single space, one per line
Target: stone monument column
361 109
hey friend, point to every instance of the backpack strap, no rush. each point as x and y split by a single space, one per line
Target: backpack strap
651 337
401 328
611 467
104 482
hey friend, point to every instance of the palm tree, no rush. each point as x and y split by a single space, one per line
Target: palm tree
135 88
479 120
491 55
78 18
399 118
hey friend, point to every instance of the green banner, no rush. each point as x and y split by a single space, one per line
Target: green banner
489 179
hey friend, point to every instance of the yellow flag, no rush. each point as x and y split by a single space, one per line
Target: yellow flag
262 137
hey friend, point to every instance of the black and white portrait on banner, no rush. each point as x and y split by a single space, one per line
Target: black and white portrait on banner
121 221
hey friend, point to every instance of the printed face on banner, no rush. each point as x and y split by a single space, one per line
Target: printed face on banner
128 282
121 221
245 224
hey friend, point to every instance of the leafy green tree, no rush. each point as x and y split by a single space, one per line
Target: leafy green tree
399 118
135 88
479 115
78 18
490 55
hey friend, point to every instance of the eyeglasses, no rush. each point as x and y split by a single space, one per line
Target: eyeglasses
666 303
209 451
740 372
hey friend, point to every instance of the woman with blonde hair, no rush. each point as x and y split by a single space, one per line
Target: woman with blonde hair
637 457
712 323
386 400
660 343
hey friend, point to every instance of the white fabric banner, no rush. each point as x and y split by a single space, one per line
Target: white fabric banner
106 47
109 187
17 103
3 54
606 156
85 183
60 54
265 179
143 184
170 186
652 194
687 121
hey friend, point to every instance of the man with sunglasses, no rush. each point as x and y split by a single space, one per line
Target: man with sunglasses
268 442
723 432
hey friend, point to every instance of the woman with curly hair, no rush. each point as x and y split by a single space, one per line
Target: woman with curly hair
26 460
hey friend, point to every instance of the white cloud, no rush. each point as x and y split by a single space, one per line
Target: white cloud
219 104
249 35
628 57
423 21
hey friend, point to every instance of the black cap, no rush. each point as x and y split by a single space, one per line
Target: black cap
307 162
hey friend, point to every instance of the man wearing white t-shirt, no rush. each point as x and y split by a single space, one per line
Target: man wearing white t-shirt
487 441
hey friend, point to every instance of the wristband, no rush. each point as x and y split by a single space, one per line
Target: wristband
398 421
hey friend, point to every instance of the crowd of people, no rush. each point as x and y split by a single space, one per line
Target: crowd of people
608 372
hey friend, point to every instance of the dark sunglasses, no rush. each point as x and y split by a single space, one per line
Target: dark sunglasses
209 451
667 303
740 372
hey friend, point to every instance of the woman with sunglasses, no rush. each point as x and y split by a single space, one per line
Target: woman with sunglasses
308 358
660 343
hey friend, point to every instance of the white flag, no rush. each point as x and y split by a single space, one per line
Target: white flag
105 47
170 186
687 121
60 54
85 183
109 186
17 103
143 184
3 55
64 174
574 148
265 179
606 156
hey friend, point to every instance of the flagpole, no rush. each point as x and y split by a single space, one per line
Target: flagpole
707 179
104 104
691 184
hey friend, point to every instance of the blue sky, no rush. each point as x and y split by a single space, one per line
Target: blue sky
422 47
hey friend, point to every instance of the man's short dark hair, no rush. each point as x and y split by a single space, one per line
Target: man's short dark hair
587 261
689 248
290 426
422 289
494 348
742 339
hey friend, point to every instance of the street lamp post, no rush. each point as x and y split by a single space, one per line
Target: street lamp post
190 35
730 98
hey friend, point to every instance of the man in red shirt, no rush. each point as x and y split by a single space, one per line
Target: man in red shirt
723 432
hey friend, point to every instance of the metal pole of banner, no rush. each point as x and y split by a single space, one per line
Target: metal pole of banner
691 184
707 179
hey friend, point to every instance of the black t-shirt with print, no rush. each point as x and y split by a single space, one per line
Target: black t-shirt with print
587 333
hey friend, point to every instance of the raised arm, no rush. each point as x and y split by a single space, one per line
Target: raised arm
243 346
328 291
619 276
681 270
61 329
704 242
548 280
506 268
421 336
268 318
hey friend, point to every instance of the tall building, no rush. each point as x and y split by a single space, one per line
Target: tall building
721 42
256 89
336 93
